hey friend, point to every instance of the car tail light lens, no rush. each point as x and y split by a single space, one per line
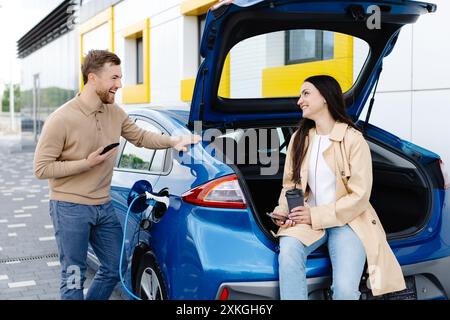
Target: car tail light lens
223 192
224 294
445 175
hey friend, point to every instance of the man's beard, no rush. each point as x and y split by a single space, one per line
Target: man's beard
105 96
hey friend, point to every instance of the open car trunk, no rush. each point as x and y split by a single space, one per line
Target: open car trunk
399 195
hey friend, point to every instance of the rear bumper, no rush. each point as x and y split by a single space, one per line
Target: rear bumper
269 290
431 280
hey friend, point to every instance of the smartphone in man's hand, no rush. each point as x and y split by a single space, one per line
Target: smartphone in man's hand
109 147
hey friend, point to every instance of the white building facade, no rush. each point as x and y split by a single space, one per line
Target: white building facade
158 43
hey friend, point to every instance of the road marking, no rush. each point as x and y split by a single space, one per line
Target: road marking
26 215
31 195
21 284
13 262
35 186
7 194
17 225
12 234
18 199
46 238
4 221
3 277
29 207
48 226
45 200
53 263
1 249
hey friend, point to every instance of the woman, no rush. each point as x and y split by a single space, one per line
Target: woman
330 159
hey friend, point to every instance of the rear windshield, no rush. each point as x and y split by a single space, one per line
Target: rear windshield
276 64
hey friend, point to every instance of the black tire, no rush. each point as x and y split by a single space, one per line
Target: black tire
149 281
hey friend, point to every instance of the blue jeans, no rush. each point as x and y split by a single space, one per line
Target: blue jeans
76 226
347 257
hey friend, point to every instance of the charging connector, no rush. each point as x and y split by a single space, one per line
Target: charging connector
160 199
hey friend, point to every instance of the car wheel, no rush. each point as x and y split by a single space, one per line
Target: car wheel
149 282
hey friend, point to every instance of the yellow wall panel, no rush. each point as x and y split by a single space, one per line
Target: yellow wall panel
224 86
196 7
135 94
187 89
286 81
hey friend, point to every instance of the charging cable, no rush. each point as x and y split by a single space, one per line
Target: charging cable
163 200
123 250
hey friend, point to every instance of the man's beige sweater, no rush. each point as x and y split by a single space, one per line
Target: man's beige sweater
74 131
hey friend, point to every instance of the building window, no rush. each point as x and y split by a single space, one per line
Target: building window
137 67
139 61
308 45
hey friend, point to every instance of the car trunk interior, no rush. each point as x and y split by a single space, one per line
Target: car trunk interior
399 194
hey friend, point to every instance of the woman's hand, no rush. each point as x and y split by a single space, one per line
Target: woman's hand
281 219
301 215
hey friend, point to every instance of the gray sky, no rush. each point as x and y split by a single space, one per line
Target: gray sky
17 17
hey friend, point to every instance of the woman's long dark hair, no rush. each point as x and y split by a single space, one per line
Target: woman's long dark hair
330 89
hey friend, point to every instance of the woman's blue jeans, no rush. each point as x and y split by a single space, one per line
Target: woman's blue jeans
347 257
76 226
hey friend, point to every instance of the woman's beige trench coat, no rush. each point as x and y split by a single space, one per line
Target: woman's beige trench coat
349 157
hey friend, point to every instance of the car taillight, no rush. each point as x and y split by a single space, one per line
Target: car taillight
224 294
223 192
445 175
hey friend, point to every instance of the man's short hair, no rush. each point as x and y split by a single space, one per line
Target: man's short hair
95 60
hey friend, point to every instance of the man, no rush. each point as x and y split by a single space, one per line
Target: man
69 155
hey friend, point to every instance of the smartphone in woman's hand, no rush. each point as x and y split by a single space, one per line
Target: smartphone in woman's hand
275 216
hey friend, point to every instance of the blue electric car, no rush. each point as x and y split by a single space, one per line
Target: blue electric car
215 241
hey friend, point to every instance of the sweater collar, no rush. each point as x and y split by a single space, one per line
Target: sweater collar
88 110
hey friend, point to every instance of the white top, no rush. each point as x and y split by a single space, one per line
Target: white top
321 180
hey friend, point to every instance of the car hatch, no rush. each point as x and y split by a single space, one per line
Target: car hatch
230 91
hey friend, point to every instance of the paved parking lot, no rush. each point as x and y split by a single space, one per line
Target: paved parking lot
29 262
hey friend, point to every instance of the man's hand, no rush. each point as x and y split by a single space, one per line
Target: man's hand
95 158
301 215
179 143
